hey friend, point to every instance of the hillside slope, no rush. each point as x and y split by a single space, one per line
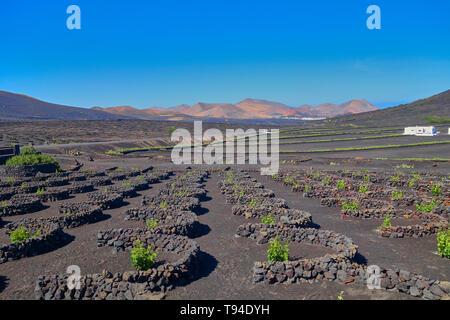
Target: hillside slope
412 113
21 107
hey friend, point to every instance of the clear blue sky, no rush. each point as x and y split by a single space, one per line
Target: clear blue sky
163 53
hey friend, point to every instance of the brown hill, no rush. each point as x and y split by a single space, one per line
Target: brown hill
15 106
330 110
263 109
418 112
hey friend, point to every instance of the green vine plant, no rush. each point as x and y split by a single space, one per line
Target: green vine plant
395 179
143 258
351 205
443 239
427 207
396 194
363 189
289 180
277 251
340 185
152 223
386 223
436 190
268 219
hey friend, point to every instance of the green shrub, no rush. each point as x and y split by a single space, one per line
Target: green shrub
426 207
404 166
10 180
443 238
363 189
436 190
30 159
142 258
152 223
277 251
113 153
325 181
253 203
268 219
289 180
396 194
412 182
366 177
37 233
387 222
436 119
183 193
307 188
351 205
126 184
340 185
171 130
163 204
27 151
19 235
394 179
140 178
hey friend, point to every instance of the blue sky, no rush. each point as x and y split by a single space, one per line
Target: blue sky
164 53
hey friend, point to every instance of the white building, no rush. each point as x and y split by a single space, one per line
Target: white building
420 131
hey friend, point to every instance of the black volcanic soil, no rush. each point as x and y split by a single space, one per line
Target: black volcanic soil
227 263
20 275
407 253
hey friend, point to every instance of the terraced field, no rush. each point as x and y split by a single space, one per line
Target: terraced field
212 231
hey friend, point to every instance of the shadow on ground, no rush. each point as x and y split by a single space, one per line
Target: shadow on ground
201 230
3 283
207 264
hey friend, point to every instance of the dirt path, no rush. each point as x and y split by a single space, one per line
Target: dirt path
227 263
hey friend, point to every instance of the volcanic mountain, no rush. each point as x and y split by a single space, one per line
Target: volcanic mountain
330 110
15 106
431 110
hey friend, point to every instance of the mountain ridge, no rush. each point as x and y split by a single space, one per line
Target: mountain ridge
14 106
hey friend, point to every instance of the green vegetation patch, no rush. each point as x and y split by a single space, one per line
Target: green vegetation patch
29 156
277 251
143 258
436 119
